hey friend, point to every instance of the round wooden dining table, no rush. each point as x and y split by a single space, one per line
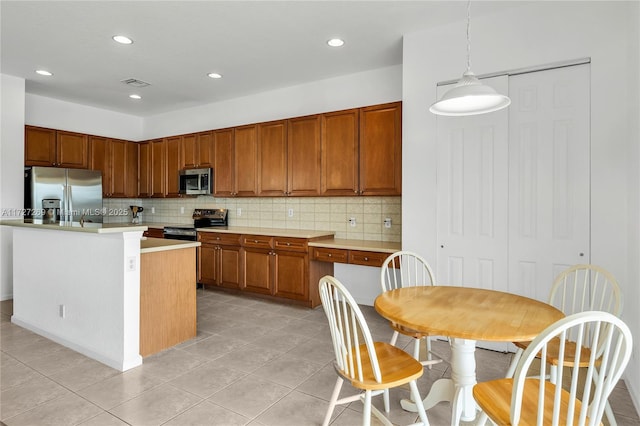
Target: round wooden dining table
465 315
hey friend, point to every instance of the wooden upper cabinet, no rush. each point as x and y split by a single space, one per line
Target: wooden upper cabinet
189 152
205 149
381 149
272 159
223 168
39 146
197 150
173 166
144 169
118 162
246 160
131 170
339 144
57 148
72 150
99 160
303 156
158 169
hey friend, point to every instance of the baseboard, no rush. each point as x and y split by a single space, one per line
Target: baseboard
634 392
118 364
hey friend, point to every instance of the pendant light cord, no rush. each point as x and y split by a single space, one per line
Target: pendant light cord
468 35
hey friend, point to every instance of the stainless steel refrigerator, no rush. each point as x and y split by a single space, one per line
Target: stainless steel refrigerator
64 196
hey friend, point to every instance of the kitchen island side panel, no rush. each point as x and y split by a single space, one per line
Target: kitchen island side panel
81 290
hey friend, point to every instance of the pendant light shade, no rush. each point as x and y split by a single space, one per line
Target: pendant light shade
469 96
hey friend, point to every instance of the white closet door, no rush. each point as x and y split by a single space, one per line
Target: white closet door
549 177
472 197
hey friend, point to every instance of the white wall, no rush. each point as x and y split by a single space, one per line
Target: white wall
86 273
533 34
11 171
62 115
353 90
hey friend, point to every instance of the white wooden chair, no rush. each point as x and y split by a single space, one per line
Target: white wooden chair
369 366
577 289
529 400
408 269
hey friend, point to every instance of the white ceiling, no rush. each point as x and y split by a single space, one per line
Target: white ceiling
257 46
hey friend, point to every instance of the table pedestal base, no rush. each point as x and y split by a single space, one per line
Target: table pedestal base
457 390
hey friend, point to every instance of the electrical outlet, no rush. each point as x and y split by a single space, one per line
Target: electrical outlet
387 222
131 263
352 222
153 210
239 212
62 311
290 212
181 210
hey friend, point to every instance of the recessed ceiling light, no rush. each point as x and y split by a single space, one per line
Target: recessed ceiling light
335 42
135 96
44 72
122 39
214 75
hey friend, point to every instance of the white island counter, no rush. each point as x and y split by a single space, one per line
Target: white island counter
80 286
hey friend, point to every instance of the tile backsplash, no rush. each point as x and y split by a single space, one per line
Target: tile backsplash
318 213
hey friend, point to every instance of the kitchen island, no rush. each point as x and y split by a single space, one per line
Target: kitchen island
81 285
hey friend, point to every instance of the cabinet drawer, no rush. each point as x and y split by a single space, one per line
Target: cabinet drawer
329 255
154 233
259 241
290 244
366 258
219 238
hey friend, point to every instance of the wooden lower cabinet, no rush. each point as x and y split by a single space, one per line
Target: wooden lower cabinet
219 260
266 266
154 233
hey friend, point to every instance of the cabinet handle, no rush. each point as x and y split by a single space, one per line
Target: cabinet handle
255 241
288 244
329 255
366 259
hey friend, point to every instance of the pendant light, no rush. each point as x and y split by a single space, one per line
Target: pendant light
469 96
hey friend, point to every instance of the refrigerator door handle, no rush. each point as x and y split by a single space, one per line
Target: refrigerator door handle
70 198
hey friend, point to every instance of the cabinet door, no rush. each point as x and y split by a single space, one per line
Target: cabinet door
100 160
381 149
173 162
189 152
72 150
272 159
303 156
257 270
229 270
131 170
144 169
340 153
158 170
205 149
246 160
291 275
39 146
223 168
207 268
118 168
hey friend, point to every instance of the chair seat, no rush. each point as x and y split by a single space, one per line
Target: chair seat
494 398
408 332
396 366
569 353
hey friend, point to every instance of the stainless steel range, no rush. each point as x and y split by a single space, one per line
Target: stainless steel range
202 218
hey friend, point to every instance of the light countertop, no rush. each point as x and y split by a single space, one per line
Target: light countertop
276 232
150 245
89 227
362 245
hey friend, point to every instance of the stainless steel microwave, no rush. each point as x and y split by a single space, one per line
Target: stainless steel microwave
196 181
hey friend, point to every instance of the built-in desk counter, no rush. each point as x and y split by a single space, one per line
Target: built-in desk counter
355 252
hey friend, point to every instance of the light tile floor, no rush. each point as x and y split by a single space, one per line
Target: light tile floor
253 362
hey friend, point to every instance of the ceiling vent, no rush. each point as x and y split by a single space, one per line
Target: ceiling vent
134 82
